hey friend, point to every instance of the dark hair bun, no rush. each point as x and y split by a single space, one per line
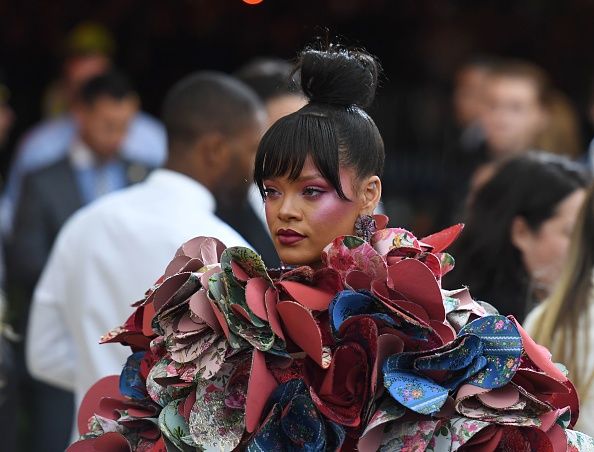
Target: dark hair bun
339 76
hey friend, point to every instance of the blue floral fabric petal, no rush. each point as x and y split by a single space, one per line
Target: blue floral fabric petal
293 423
131 384
476 366
270 435
303 426
502 348
285 392
335 436
461 359
400 361
349 303
415 392
456 356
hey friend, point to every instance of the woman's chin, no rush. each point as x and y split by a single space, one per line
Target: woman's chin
298 255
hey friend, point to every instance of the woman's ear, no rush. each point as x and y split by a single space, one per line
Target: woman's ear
521 234
371 194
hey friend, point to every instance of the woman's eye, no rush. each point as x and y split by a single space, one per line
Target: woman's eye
312 192
269 192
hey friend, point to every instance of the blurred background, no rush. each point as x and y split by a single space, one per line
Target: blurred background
465 84
420 44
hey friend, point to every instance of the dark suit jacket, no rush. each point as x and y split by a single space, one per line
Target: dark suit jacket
49 196
244 220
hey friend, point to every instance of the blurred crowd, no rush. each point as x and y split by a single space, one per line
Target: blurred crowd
100 194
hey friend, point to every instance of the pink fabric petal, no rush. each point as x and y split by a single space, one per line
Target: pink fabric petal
255 290
310 297
441 240
303 330
200 307
417 283
500 398
271 299
260 386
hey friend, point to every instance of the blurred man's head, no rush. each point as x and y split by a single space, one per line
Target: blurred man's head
273 80
515 111
80 68
88 53
104 109
469 90
214 124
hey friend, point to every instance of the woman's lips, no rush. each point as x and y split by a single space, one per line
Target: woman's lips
288 236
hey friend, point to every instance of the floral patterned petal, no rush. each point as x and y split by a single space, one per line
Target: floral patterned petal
408 436
174 426
213 425
502 348
247 259
415 392
131 384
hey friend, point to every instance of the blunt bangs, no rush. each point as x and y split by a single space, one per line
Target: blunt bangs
287 144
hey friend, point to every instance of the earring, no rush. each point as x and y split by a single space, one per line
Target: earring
365 227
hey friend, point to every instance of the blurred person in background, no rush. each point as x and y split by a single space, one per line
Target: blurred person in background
590 118
89 49
520 111
562 135
6 114
8 375
464 146
92 167
111 251
517 98
276 84
273 81
7 119
563 323
88 53
468 102
517 232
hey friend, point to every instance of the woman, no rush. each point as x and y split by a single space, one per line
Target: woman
353 348
517 232
318 168
563 322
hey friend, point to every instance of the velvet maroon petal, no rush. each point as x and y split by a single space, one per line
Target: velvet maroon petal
341 391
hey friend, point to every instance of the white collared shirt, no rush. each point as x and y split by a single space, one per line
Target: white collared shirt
105 258
81 156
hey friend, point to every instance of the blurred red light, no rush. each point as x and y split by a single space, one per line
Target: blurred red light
253 2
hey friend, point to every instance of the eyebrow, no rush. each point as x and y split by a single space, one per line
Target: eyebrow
309 177
305 178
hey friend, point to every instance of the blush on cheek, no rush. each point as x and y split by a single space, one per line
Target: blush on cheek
331 212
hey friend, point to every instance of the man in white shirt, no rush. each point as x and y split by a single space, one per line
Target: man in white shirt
108 254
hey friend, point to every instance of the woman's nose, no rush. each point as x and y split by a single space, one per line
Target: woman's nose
289 209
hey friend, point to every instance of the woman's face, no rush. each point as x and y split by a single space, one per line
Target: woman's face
544 251
306 214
